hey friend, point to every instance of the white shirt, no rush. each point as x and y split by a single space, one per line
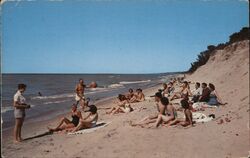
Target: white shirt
197 91
18 97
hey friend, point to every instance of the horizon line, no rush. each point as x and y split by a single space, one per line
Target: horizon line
57 73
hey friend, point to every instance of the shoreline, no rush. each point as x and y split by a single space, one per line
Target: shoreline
99 103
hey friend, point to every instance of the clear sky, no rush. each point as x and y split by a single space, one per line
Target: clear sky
114 36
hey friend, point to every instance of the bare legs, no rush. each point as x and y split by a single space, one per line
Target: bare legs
18 129
62 126
82 124
145 121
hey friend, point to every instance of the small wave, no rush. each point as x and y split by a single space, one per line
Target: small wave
5 109
97 89
133 82
54 96
115 85
55 102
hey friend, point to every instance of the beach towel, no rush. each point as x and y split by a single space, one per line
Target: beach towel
202 104
200 117
89 130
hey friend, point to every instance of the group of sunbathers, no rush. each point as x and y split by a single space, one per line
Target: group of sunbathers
200 97
78 122
123 104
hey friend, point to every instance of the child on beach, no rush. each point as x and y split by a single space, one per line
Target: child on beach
123 105
188 121
89 121
66 124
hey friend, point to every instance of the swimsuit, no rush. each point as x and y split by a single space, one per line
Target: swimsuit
93 123
75 120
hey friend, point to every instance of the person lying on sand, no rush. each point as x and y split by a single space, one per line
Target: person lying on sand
188 121
122 105
138 97
89 121
130 94
184 93
152 119
65 123
171 113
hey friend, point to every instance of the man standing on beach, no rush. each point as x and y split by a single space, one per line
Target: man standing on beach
80 87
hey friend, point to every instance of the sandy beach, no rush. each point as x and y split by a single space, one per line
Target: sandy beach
118 139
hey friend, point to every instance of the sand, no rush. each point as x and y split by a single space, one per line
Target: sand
228 69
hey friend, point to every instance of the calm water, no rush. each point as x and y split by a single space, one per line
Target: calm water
58 91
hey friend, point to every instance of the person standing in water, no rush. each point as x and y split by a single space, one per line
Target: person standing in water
19 111
80 87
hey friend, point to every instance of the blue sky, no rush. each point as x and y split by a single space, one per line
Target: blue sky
114 36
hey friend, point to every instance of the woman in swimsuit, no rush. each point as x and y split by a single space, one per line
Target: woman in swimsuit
123 105
170 113
188 121
89 121
65 123
161 108
184 93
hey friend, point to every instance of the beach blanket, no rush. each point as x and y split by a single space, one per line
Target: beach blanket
200 117
202 104
89 130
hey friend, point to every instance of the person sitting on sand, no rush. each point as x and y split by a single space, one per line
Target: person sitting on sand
138 97
184 93
170 88
214 98
197 92
89 121
169 110
205 93
66 124
188 121
130 94
123 105
152 119
164 90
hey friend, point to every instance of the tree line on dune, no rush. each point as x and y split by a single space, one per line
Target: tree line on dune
204 55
